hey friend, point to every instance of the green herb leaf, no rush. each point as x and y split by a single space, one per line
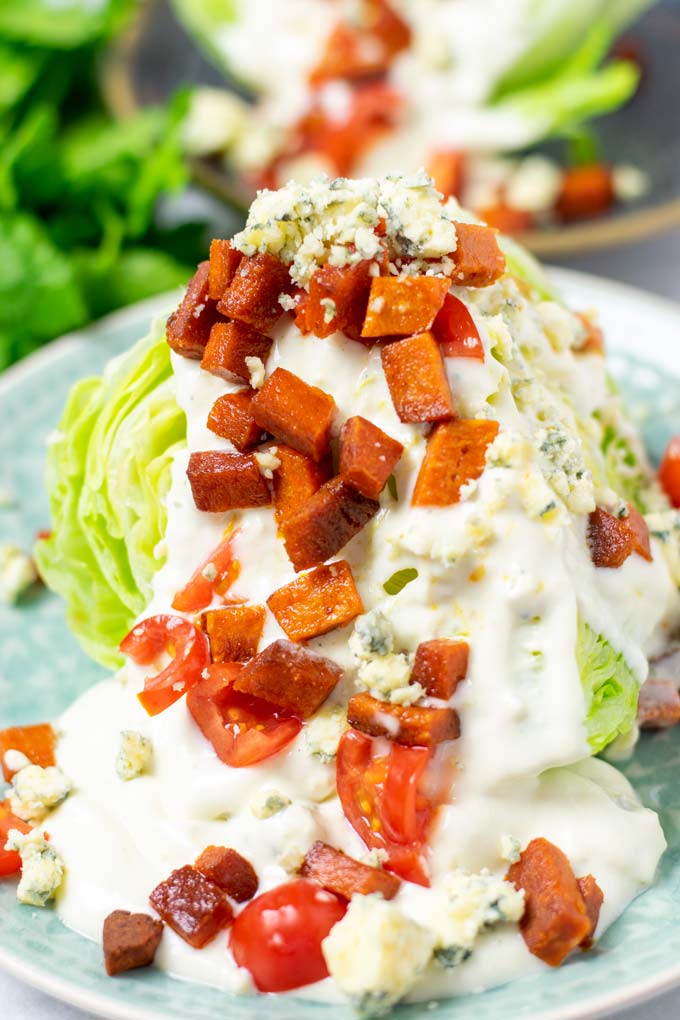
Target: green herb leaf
392 486
398 581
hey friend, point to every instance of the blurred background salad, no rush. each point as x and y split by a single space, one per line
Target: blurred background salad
118 117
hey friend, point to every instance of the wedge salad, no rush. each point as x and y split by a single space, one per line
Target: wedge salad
380 564
467 88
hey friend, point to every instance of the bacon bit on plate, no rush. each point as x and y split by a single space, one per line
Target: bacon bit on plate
224 261
329 519
658 705
193 906
317 602
479 260
296 413
233 632
289 676
440 665
368 456
455 455
231 418
296 480
253 294
613 539
400 306
417 380
413 725
344 876
188 328
226 481
130 941
230 871
229 345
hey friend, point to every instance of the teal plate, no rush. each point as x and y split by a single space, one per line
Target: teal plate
42 670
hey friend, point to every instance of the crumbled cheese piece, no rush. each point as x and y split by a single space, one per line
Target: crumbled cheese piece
470 905
42 869
268 462
535 185
375 954
209 572
35 791
372 635
630 182
255 368
330 310
387 678
215 119
308 225
135 755
664 526
16 760
268 802
287 302
375 858
322 733
510 849
560 325
17 573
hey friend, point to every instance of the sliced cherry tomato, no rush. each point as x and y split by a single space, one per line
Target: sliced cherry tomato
382 797
173 636
214 576
456 332
242 729
279 934
10 861
669 472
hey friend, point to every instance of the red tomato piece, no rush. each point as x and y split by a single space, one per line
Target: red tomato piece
279 934
183 642
214 576
242 729
669 472
10 861
382 798
455 331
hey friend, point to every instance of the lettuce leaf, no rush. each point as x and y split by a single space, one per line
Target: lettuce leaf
609 685
108 472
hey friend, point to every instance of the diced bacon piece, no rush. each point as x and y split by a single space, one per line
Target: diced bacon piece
36 742
593 342
290 676
253 294
295 412
229 345
455 455
348 288
130 941
317 602
658 705
226 481
507 219
593 897
479 260
365 50
188 328
344 876
224 261
555 920
586 191
669 472
368 456
230 871
231 418
233 632
401 305
455 331
613 539
440 665
296 480
446 167
329 519
413 725
193 906
300 313
417 379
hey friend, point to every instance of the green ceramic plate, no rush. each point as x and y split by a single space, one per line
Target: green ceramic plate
42 670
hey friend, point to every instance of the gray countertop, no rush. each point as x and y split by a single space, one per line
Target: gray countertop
652 265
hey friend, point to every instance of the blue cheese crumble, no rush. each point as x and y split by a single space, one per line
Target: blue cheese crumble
42 869
471 905
382 672
135 755
375 954
17 573
334 221
36 791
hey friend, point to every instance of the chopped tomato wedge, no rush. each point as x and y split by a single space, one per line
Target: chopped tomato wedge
669 472
242 729
279 934
381 792
214 576
10 861
455 331
183 642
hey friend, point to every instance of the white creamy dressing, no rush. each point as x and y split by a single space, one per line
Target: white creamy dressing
488 569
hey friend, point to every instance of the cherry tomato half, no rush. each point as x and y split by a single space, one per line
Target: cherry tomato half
242 729
669 472
382 798
221 568
279 934
174 636
456 332
10 861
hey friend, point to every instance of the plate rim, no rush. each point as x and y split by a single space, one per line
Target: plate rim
65 990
